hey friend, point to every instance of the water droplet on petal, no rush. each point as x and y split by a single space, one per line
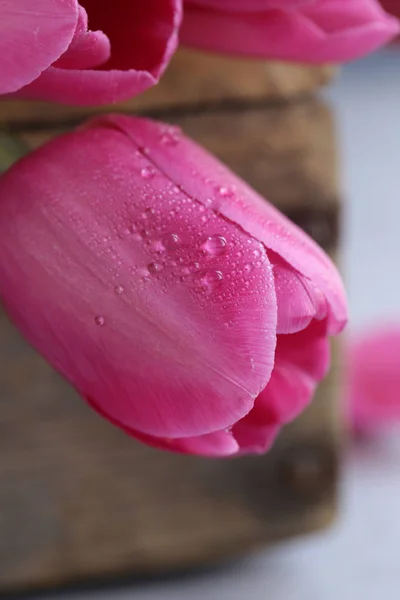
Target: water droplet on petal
256 253
148 212
125 232
154 268
119 290
215 245
248 267
170 136
158 246
147 172
171 241
212 279
226 191
99 320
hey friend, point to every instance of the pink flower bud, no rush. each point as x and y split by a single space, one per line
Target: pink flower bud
92 52
183 306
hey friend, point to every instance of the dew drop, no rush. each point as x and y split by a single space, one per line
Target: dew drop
99 320
158 246
171 241
248 267
215 245
256 253
119 290
226 191
154 268
212 279
194 267
125 232
170 136
147 172
148 212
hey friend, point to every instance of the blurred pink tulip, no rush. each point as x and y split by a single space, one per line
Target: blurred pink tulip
183 306
393 8
313 31
48 52
373 379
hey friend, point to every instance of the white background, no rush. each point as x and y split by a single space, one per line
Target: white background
359 558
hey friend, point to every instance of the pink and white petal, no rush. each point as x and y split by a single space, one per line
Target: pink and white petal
143 37
87 49
136 303
229 196
32 36
295 35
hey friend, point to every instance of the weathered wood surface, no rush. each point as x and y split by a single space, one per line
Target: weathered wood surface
193 79
81 500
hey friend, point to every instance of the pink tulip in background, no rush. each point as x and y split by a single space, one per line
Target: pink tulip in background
314 31
87 52
373 378
181 305
392 7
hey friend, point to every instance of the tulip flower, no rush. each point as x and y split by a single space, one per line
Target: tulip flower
312 31
180 304
87 52
393 8
373 379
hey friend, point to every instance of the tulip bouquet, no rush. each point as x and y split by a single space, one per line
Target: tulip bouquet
181 305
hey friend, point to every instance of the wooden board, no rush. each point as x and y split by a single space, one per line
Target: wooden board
193 79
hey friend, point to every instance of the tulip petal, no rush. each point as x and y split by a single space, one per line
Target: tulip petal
318 32
256 432
133 290
373 377
87 48
301 361
33 36
297 299
229 196
143 37
248 5
218 443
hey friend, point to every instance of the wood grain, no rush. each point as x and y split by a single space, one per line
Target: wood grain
192 80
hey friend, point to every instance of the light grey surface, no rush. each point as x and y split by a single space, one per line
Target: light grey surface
358 559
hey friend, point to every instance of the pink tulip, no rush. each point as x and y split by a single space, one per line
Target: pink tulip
183 306
313 31
48 52
393 8
373 379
